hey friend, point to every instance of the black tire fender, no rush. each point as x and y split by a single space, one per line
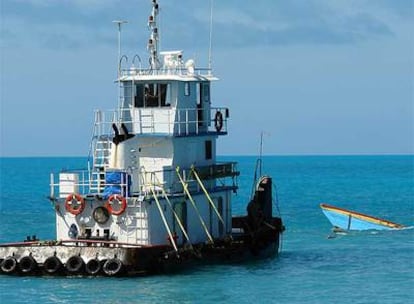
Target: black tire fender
93 267
9 265
113 267
75 264
27 264
52 265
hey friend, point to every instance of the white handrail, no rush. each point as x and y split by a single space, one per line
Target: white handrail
170 121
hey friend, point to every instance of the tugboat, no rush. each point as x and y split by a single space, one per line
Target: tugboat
154 198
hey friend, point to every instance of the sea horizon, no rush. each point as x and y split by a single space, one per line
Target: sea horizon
232 155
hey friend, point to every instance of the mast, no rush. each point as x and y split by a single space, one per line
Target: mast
210 38
119 23
154 37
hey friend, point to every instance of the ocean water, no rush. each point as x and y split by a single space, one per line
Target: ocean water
369 267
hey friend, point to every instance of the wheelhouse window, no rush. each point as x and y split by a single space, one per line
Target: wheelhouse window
152 95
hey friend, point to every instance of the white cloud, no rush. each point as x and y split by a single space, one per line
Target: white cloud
262 22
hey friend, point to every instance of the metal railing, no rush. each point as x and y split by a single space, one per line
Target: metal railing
86 182
178 70
163 121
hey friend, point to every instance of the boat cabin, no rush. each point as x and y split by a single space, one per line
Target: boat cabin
153 177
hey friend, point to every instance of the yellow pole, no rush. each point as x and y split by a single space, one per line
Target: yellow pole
163 219
173 211
185 186
207 195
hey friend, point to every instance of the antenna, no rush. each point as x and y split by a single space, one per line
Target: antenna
119 23
211 37
261 153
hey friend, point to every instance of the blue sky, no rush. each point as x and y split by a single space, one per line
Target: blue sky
319 77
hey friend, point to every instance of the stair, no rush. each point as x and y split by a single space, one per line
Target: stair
147 122
136 231
101 156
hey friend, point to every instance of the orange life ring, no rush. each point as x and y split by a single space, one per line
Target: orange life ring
72 207
218 121
121 201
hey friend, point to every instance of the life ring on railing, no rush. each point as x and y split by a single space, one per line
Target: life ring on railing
218 121
121 201
75 203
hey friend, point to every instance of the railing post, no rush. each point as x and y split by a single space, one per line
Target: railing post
196 120
52 185
169 122
152 121
83 182
186 122
179 122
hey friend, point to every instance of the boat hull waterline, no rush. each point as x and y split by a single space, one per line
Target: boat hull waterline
107 258
256 235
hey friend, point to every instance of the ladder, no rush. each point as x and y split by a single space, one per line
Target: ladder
147 122
137 230
101 156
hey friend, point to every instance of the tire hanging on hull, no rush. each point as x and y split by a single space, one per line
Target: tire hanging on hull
9 265
93 267
113 267
52 265
27 264
75 265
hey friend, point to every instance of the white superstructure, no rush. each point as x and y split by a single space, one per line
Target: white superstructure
153 178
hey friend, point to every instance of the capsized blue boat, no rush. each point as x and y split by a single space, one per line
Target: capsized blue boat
351 220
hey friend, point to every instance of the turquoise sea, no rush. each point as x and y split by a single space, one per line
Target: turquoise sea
372 267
